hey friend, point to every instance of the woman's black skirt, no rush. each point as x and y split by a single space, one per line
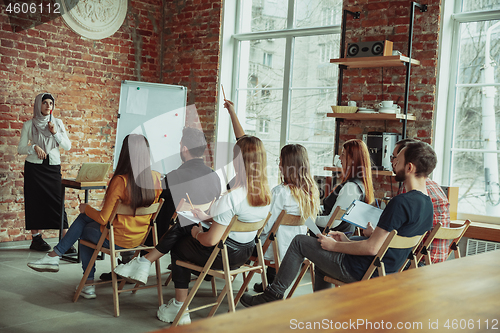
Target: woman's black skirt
42 196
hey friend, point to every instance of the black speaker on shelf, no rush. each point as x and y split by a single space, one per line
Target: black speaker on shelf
369 49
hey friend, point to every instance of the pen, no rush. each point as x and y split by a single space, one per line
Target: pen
224 94
192 207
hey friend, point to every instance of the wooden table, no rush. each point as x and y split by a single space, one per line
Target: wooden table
86 186
458 292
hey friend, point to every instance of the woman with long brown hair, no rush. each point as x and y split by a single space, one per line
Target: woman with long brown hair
249 198
134 184
356 184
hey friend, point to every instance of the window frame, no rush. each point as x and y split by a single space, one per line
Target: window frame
448 55
231 37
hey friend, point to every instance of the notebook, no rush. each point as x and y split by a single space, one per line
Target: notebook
92 172
360 213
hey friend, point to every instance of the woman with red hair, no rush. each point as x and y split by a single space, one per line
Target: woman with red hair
356 184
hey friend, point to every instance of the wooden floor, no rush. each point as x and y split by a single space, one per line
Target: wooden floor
457 295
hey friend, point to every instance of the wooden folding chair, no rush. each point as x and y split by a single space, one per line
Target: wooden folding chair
392 241
227 273
307 264
122 209
439 232
272 240
186 206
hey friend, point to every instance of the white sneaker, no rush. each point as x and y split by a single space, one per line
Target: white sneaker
88 292
45 264
168 312
135 270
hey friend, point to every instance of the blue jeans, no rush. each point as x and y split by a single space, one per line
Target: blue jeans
87 229
326 263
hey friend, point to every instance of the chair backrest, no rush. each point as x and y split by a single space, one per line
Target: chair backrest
292 220
337 214
452 195
396 242
439 232
239 226
123 209
282 219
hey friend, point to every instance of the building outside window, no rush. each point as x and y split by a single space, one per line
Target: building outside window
472 128
293 72
267 59
263 126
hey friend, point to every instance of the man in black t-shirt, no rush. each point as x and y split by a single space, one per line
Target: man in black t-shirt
192 177
337 256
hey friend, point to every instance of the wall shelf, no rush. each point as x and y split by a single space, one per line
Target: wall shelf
371 116
374 172
367 62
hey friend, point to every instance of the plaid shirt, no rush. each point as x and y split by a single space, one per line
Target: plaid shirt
439 247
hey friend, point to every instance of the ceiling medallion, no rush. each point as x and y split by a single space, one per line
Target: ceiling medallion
94 19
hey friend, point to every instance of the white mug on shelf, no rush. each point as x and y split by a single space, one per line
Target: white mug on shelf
397 108
385 104
351 103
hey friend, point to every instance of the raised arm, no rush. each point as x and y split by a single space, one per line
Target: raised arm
238 130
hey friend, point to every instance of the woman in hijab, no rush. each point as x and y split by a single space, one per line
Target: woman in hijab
41 138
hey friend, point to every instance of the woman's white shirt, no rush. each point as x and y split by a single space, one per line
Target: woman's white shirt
235 203
26 146
282 200
349 192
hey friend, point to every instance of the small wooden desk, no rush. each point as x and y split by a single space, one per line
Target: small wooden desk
86 186
466 289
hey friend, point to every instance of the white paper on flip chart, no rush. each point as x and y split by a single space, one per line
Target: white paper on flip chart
360 213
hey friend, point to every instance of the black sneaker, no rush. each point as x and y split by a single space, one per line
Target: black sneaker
108 277
267 296
38 244
258 287
71 250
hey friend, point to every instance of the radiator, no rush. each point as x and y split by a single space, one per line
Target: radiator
475 246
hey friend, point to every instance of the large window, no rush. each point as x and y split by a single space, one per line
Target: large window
283 84
473 107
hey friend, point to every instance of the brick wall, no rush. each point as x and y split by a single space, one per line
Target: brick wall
389 20
173 42
191 58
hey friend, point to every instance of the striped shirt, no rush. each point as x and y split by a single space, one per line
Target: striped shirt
439 247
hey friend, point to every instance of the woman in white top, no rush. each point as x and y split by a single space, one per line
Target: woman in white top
249 198
356 184
41 138
297 194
